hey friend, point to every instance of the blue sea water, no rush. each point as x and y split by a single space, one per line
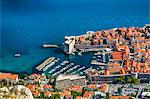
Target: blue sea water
27 24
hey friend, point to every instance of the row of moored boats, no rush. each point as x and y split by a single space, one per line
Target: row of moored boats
57 67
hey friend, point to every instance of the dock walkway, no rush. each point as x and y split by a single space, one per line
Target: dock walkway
46 62
50 46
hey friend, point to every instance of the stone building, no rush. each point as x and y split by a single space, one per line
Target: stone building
66 81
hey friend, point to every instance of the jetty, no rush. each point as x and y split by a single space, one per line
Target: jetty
49 65
46 62
50 46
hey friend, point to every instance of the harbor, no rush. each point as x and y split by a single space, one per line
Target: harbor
75 49
104 53
55 66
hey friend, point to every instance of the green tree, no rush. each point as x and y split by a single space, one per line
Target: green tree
74 94
146 89
79 93
120 91
123 80
107 95
41 94
129 80
117 80
135 81
55 96
23 75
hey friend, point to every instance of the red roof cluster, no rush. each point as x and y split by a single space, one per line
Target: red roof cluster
47 86
8 76
117 55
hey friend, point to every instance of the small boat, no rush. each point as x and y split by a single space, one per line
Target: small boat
58 59
17 55
71 63
94 57
66 61
73 53
80 53
80 69
99 56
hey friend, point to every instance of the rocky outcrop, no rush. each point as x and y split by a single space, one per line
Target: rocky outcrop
15 92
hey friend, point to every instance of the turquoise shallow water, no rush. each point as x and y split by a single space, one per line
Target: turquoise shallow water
27 24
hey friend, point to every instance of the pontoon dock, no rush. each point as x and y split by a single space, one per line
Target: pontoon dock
50 46
46 62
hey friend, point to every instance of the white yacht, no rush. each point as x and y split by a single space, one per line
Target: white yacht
17 55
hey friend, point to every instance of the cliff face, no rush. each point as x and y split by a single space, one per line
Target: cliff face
15 92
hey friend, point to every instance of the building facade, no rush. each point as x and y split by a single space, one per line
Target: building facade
69 44
67 81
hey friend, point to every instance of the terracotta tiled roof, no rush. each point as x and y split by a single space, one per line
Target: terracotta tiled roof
122 71
92 86
47 86
136 66
36 80
114 64
8 76
35 75
115 69
127 63
32 87
121 47
117 55
123 29
76 88
103 87
140 38
81 38
134 63
78 97
65 93
47 93
140 50
87 94
35 93
107 72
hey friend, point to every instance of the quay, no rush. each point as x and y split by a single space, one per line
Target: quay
93 49
94 62
98 53
46 62
50 46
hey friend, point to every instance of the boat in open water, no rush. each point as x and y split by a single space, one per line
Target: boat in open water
17 55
